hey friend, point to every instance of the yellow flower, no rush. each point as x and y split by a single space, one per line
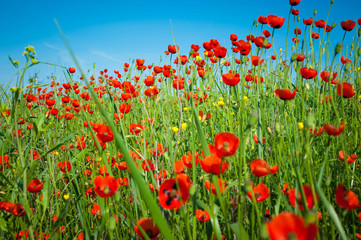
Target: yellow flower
66 196
300 126
17 62
34 61
359 96
175 129
221 99
198 58
30 49
184 126
220 103
199 117
56 153
185 109
245 99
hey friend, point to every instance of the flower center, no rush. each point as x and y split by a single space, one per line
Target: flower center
106 190
291 236
173 193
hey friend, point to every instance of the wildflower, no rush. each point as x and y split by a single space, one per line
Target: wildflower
66 196
300 126
160 150
105 187
35 186
226 144
202 215
213 164
274 21
285 94
332 130
148 227
245 99
308 73
260 192
184 126
210 186
260 168
350 159
325 76
290 226
346 198
294 2
64 166
172 197
308 194
346 89
348 25
231 79
220 103
72 69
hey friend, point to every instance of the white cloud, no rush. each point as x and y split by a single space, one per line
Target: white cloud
104 55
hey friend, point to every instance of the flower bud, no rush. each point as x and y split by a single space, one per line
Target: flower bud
359 32
265 42
294 57
334 25
315 12
298 18
359 51
347 66
332 1
328 180
338 48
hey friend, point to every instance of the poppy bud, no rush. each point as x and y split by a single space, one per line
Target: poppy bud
334 25
359 51
252 119
359 32
265 42
332 1
278 127
328 181
315 12
294 57
338 48
347 66
298 18
111 223
310 119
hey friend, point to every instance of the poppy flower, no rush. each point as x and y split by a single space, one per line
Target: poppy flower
308 73
195 47
243 47
148 227
260 168
18 210
220 52
345 60
348 25
215 165
136 128
350 159
188 159
346 198
64 166
266 33
261 192
300 57
315 132
35 186
226 144
72 69
210 186
233 37
315 35
160 150
202 215
294 2
308 194
295 12
346 89
285 94
290 226
320 23
147 165
297 31
105 187
4 162
104 133
274 21
332 130
308 21
231 79
325 76
259 41
262 20
179 167
256 60
170 197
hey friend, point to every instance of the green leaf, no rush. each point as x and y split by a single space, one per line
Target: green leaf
239 231
62 142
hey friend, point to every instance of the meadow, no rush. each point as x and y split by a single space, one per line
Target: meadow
249 142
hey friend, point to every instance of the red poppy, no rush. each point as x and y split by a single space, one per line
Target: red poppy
260 168
346 89
64 166
348 25
215 165
179 167
320 23
294 2
18 210
290 226
266 33
274 21
195 47
72 69
346 198
350 159
220 52
105 187
160 150
285 94
50 102
256 60
231 79
148 227
243 47
308 73
151 92
345 60
262 20
300 57
226 144
325 76
210 186
104 133
315 35
173 49
328 28
188 159
261 192
125 108
35 186
136 128
147 165
308 194
308 21
170 196
202 215
233 37
259 41
295 12
297 31
4 162
332 130
315 132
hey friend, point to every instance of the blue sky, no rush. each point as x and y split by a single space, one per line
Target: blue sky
110 32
